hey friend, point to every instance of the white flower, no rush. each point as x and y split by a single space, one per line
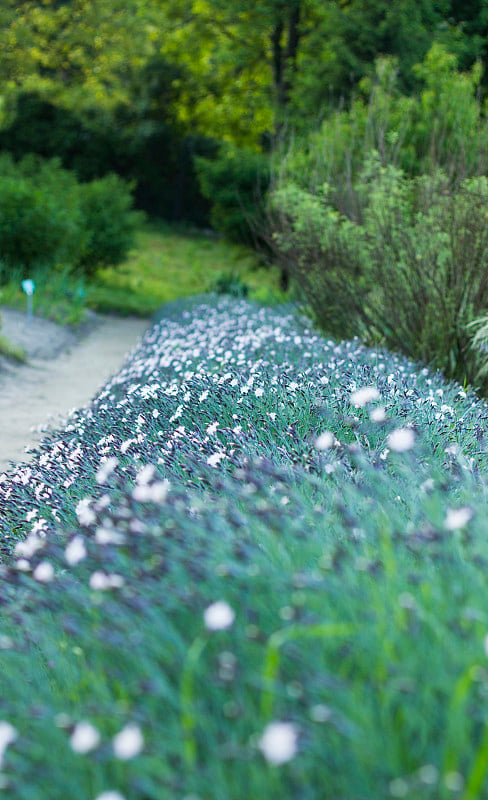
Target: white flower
278 743
108 536
84 513
44 572
8 734
218 616
100 581
259 392
212 428
154 493
457 518
129 742
146 474
401 439
29 546
110 795
84 738
106 470
324 441
215 459
362 397
75 551
377 414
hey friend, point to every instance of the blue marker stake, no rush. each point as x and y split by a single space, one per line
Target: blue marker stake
28 287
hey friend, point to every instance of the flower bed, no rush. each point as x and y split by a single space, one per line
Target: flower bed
253 566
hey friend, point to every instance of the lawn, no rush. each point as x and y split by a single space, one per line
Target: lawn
254 566
169 263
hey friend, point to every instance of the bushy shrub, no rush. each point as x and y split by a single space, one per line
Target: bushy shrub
230 283
322 250
412 274
47 218
109 220
235 184
37 228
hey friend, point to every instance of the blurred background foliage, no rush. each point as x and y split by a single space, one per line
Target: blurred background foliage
141 87
259 122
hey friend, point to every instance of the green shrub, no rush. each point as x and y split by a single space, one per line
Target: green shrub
110 222
230 283
37 227
443 126
412 275
47 218
322 250
235 184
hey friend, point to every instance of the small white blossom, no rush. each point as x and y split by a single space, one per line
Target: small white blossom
215 459
325 441
212 428
218 616
145 475
29 546
106 470
129 742
84 513
75 551
401 439
110 795
457 518
278 743
84 738
100 581
44 572
377 414
108 536
362 397
8 734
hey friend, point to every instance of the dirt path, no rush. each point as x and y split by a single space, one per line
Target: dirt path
48 387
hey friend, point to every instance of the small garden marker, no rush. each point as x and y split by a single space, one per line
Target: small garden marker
28 287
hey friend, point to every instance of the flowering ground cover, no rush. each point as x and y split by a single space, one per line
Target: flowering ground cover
254 566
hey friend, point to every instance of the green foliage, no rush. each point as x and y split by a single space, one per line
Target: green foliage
11 351
141 142
41 222
235 184
230 283
47 218
381 215
323 252
108 217
411 274
443 126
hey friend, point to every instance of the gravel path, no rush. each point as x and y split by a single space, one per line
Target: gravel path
64 371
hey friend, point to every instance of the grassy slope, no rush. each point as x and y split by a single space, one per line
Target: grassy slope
357 575
166 263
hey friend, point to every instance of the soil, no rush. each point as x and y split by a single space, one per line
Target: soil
65 369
